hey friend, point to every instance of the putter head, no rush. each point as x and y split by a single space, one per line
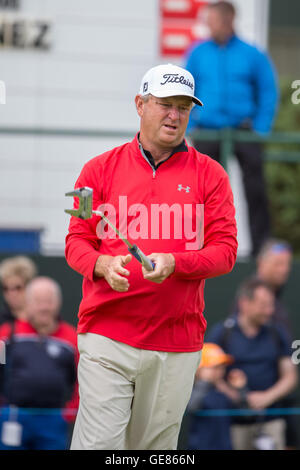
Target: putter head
85 196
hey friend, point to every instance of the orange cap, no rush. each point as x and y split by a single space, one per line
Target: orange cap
213 355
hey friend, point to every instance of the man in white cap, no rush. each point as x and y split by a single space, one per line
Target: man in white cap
140 333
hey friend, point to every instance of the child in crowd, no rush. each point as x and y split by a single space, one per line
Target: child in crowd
212 392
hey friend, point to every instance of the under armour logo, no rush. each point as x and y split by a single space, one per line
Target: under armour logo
186 189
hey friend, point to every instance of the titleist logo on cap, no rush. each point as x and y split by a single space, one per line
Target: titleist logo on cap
175 78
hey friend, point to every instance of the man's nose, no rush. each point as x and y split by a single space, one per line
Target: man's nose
174 113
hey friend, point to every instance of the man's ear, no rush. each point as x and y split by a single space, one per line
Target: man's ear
139 103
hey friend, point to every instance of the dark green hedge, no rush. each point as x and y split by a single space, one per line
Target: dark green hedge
283 179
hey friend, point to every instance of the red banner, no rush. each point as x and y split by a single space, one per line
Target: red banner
181 25
181 9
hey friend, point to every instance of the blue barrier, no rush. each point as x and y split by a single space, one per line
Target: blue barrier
41 411
216 412
249 412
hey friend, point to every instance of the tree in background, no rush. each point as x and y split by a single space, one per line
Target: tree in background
283 179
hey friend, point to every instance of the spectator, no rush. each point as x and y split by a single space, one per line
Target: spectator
212 392
15 273
263 351
273 266
40 372
274 263
238 86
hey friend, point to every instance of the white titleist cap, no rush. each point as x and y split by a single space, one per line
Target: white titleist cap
169 80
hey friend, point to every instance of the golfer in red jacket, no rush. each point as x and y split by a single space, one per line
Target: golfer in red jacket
140 333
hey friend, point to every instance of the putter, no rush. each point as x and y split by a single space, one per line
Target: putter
85 211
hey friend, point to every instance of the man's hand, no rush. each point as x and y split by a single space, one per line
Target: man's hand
237 378
288 379
259 400
164 267
207 374
112 269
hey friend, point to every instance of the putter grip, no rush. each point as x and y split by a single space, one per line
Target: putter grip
139 255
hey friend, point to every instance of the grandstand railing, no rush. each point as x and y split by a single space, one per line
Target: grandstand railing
227 138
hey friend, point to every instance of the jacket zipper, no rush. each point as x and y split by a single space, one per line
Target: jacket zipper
145 158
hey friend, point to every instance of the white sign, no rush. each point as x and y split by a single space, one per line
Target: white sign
10 4
22 33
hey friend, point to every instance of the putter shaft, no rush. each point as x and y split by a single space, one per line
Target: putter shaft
133 249
84 211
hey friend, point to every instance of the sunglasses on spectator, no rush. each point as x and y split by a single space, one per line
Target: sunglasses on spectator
17 288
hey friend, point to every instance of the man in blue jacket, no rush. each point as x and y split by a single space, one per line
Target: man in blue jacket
238 85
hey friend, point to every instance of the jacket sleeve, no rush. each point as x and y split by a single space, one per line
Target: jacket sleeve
82 242
266 92
218 254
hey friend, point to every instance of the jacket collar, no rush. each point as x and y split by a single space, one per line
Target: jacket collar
182 147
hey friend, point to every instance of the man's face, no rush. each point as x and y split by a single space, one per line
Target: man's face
211 374
274 268
164 120
42 306
13 288
260 309
219 25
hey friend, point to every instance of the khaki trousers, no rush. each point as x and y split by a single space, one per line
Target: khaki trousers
243 436
130 398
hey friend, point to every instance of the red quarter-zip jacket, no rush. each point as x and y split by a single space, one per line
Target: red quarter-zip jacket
166 316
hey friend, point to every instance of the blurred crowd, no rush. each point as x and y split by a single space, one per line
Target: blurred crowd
245 384
245 381
38 380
